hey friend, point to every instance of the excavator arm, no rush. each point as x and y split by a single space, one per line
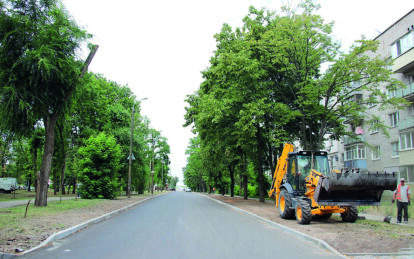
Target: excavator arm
280 172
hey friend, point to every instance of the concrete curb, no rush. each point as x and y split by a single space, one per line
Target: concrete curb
319 242
64 233
301 235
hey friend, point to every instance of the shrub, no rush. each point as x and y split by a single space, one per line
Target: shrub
99 166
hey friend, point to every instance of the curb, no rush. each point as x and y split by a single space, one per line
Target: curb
322 244
317 241
64 233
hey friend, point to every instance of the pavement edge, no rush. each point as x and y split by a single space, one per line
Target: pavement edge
71 230
322 244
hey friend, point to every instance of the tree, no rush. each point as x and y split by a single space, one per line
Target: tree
99 166
265 87
38 71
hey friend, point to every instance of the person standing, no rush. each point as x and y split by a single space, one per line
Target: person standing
402 195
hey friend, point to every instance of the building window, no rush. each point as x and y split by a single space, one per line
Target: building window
371 101
374 127
402 45
407 172
392 93
394 117
355 152
376 153
388 64
395 149
407 140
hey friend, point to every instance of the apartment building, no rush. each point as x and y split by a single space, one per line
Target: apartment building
373 151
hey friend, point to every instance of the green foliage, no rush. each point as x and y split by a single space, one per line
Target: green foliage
265 87
38 69
99 166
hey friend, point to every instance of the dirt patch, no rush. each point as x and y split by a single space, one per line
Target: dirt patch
361 237
33 231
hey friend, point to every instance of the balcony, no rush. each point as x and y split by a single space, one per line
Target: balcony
408 92
348 140
361 164
406 123
404 63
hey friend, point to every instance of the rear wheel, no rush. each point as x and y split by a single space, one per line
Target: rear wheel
285 202
303 212
350 215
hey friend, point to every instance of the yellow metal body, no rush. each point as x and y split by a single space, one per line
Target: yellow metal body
280 172
311 183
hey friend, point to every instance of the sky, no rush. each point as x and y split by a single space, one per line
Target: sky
159 47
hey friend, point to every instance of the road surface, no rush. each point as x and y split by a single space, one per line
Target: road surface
182 225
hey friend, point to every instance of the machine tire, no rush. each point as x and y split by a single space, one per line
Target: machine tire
303 212
285 202
350 215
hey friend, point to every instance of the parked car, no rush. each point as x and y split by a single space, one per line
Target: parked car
8 185
188 189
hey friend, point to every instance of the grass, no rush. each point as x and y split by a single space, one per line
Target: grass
386 208
25 195
10 217
391 230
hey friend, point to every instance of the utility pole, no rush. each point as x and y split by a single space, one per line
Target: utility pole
162 176
130 153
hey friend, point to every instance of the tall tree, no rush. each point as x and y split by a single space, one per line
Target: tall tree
265 87
38 71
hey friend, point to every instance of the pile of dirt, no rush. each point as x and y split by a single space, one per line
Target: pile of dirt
361 237
34 230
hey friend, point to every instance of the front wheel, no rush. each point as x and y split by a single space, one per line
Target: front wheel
285 202
350 214
303 212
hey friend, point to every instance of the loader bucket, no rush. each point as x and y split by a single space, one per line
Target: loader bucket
353 189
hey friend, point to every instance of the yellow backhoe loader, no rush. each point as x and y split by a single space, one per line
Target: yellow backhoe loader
304 186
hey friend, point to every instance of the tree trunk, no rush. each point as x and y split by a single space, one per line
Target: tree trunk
43 177
304 138
245 186
30 183
259 162
231 169
34 167
63 169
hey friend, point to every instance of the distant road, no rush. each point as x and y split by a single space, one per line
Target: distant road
182 225
9 204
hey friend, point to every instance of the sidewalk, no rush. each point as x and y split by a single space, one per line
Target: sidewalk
10 204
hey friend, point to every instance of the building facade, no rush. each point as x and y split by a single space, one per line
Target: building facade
374 151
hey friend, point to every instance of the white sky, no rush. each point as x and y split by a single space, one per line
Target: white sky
159 47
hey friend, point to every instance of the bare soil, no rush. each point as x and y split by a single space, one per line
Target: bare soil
361 237
33 231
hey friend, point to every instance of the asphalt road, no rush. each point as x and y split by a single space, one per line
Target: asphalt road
182 225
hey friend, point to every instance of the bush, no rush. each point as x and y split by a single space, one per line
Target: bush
99 166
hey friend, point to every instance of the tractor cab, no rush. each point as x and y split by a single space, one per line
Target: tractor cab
300 165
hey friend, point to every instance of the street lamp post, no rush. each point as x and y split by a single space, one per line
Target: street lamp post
130 153
130 148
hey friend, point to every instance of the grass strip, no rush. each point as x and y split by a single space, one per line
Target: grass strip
10 217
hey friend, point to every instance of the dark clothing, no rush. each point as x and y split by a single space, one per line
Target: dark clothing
402 206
